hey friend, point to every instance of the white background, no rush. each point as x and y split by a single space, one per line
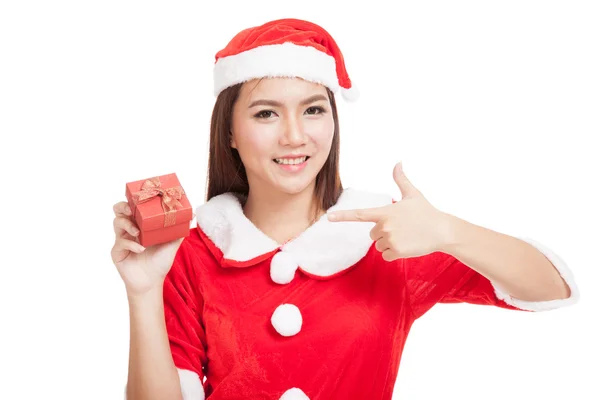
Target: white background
493 107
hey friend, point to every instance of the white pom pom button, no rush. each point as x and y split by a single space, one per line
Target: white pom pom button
287 320
294 394
283 268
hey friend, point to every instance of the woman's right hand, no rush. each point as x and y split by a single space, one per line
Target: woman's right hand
141 269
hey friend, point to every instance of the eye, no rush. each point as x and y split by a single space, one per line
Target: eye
264 114
320 110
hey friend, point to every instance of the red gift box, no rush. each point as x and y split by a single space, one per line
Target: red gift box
160 209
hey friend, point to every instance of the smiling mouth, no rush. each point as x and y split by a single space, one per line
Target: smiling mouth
291 161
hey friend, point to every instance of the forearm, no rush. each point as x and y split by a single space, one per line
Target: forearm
152 373
521 269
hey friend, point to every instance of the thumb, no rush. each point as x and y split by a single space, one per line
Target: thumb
405 185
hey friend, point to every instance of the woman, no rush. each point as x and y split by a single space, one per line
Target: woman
290 286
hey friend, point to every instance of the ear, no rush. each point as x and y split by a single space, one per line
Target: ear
232 141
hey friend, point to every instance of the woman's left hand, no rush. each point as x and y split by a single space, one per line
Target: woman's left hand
410 227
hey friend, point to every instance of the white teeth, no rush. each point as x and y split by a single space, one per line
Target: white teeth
290 161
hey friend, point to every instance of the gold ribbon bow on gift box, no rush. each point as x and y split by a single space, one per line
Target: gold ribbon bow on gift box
169 197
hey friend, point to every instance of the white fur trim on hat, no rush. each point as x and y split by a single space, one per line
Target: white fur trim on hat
563 270
277 60
287 320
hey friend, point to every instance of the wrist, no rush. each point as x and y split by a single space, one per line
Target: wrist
449 232
150 295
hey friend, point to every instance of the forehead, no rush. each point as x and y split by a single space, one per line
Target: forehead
280 89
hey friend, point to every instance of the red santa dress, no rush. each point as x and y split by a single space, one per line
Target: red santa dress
248 318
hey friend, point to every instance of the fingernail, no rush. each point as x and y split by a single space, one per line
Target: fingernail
142 248
135 231
127 211
331 217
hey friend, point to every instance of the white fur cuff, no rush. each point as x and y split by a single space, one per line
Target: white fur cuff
191 387
565 273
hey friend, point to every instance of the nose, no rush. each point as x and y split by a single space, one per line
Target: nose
293 134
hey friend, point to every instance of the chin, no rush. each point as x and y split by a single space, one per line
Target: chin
293 187
291 183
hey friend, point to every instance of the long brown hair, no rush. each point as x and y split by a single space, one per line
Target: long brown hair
226 173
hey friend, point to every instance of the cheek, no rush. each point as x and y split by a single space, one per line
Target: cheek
254 143
322 135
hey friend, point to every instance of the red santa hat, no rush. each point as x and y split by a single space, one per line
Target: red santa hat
283 48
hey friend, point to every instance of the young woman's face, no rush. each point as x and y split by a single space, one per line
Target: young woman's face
283 130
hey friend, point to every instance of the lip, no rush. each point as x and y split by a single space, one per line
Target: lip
293 167
292 156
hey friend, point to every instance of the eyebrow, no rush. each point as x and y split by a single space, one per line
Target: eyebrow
274 103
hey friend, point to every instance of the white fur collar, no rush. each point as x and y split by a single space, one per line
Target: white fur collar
324 249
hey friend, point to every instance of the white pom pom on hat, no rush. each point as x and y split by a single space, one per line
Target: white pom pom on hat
351 94
283 48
